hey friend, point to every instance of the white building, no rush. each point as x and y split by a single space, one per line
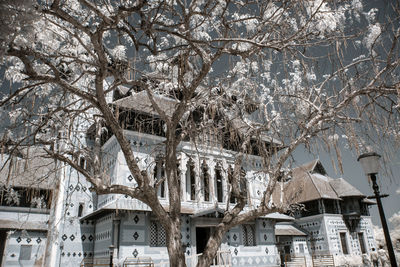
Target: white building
335 220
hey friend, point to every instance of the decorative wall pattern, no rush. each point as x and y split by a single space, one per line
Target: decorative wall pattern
25 247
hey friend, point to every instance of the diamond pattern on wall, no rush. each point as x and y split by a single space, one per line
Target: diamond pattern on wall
135 235
136 219
265 237
64 237
28 240
236 251
38 240
266 250
90 238
264 224
135 253
83 238
72 237
19 239
130 178
235 237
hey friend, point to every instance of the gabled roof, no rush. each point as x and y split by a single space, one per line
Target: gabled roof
306 185
141 102
32 170
344 189
310 182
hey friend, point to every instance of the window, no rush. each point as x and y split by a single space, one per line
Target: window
362 243
159 173
205 182
310 208
80 209
301 248
25 252
230 178
191 180
82 162
248 235
218 181
343 241
330 206
242 184
157 235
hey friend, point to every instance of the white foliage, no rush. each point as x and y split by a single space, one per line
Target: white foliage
374 32
119 52
38 202
324 19
12 197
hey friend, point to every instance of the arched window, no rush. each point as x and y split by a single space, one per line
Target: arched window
218 184
248 235
80 209
242 184
190 180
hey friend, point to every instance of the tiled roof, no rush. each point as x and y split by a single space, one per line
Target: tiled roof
141 102
307 185
288 229
32 170
344 189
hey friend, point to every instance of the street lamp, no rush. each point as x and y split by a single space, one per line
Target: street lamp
111 248
370 164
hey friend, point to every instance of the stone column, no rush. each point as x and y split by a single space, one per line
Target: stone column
183 176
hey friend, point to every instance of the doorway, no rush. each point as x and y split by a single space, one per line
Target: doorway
202 236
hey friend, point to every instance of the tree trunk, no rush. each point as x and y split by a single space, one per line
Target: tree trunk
212 247
174 245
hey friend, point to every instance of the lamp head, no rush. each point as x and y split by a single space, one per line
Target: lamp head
369 162
111 248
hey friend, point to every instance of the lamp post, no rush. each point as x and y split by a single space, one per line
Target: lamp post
370 164
111 248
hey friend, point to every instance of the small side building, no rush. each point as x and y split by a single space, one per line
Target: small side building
335 216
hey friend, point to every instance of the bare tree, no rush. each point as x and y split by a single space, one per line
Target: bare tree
263 75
